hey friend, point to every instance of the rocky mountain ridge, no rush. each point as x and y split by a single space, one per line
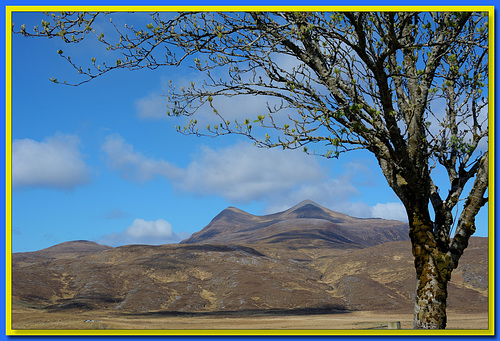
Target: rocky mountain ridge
305 223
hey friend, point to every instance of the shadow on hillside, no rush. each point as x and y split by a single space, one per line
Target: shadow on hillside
249 312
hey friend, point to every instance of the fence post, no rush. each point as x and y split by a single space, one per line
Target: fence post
394 325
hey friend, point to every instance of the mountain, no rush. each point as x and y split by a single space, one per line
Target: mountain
307 259
306 224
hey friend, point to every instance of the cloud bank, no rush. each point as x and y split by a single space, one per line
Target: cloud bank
130 164
55 162
243 173
390 210
239 173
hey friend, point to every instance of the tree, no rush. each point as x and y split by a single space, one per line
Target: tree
410 87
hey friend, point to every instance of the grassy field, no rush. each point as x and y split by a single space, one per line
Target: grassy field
23 319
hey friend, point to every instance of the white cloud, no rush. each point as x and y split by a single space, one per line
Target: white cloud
333 194
337 194
132 164
465 122
141 231
146 229
243 173
239 173
237 107
390 210
151 106
154 105
55 162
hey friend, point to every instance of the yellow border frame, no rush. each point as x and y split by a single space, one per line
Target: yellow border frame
202 332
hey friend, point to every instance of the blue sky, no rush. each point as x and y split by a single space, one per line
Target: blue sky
103 162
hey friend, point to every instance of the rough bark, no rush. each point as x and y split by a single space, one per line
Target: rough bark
432 272
431 293
466 223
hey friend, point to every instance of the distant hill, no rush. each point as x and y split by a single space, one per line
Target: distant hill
306 224
307 259
66 250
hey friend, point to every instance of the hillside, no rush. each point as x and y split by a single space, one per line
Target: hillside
216 278
67 250
305 259
188 278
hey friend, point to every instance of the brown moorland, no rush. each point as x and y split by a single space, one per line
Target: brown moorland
282 272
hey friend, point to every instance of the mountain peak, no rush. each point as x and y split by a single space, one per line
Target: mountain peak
233 209
303 203
308 209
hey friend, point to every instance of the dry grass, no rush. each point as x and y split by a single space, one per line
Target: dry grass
24 319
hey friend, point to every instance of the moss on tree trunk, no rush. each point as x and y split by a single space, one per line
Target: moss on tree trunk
431 294
433 272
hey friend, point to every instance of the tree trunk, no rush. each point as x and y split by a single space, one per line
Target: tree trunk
433 270
431 294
